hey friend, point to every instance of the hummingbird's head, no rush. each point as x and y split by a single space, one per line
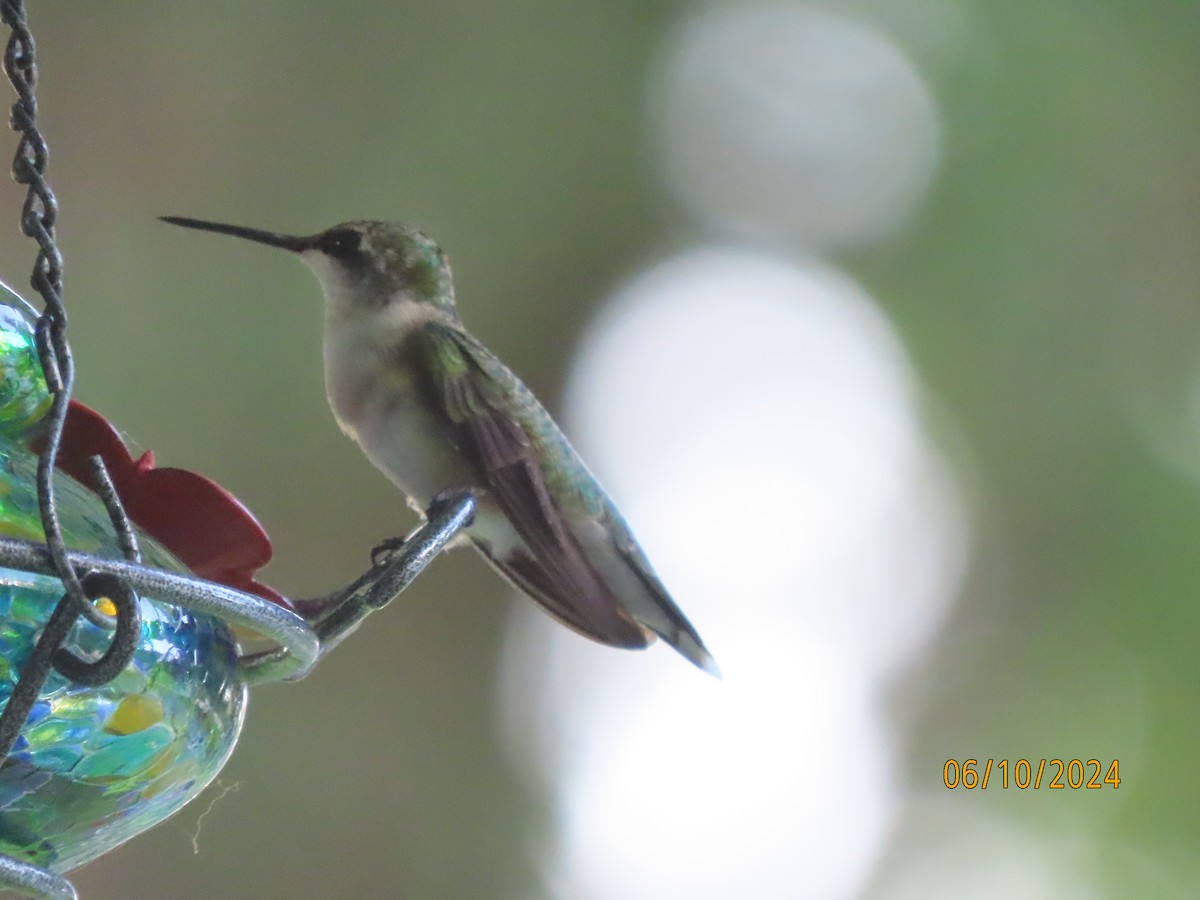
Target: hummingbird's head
366 265
363 265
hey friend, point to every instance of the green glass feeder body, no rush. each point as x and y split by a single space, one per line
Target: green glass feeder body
94 766
24 399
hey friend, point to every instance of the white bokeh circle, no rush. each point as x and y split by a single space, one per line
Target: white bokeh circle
783 121
756 418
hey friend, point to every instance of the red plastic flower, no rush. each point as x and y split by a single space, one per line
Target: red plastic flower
201 523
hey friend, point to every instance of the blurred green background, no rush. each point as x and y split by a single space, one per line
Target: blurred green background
1045 288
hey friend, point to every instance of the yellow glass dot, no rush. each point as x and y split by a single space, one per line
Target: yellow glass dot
135 713
106 606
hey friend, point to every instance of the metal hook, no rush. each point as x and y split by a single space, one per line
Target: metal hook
125 638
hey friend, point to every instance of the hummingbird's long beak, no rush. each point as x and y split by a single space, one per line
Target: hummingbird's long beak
270 238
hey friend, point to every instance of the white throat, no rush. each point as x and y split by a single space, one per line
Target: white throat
371 319
339 293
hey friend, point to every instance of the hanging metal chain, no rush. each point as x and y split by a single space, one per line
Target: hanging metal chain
38 216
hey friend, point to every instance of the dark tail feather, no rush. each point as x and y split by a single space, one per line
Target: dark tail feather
523 571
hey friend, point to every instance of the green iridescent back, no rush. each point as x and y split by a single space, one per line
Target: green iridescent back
95 766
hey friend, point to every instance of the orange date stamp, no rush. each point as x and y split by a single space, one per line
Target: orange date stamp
1025 774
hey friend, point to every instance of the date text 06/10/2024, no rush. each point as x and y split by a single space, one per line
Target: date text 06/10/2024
1055 774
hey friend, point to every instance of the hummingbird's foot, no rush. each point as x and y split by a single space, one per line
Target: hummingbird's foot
382 551
445 498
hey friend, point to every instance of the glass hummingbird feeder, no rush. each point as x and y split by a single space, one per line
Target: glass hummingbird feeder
127 591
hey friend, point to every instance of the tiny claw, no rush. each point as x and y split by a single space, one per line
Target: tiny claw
385 548
443 498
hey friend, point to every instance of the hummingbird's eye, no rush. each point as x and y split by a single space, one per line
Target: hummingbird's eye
341 244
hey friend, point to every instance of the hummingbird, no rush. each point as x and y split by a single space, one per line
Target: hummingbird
435 411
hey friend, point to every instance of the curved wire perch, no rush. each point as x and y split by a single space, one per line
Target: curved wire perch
235 607
335 616
338 614
34 881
